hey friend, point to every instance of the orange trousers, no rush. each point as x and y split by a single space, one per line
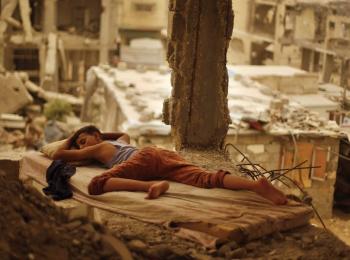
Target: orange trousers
153 163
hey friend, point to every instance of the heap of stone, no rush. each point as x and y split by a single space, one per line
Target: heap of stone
250 100
32 227
294 119
22 102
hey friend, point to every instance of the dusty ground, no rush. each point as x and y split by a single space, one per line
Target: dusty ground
32 227
25 215
340 225
155 242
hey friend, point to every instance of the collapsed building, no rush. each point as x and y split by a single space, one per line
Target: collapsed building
307 34
55 42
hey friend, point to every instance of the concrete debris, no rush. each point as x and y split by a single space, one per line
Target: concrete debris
294 119
12 121
137 98
14 138
49 95
253 101
19 94
49 233
13 94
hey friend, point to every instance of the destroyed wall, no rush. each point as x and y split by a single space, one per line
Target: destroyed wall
199 33
238 47
79 16
153 14
305 24
283 152
65 39
313 36
154 19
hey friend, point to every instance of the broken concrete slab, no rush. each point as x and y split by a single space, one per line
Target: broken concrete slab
9 164
12 121
13 94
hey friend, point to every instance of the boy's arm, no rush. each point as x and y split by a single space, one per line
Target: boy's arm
81 163
88 153
116 136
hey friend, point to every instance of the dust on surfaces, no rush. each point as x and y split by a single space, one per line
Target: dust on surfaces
32 227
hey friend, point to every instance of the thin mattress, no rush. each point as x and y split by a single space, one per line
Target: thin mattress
206 215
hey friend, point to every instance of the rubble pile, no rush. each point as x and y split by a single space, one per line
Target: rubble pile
295 119
273 111
28 112
32 227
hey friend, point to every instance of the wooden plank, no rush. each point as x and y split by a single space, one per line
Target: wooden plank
25 15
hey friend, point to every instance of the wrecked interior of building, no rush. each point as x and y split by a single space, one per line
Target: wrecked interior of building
198 92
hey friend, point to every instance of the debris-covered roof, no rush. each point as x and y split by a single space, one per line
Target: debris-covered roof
140 96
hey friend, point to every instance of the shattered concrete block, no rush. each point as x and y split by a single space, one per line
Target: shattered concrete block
13 94
256 148
9 164
12 121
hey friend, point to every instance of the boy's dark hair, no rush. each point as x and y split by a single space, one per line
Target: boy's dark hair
90 129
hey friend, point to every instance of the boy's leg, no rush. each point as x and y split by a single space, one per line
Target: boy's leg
175 168
262 186
153 188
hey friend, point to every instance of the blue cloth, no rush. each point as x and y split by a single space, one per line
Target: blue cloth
57 178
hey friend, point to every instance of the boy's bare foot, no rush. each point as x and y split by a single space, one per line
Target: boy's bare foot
268 191
157 189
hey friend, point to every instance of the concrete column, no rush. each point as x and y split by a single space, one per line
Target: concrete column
279 32
344 77
49 16
328 66
104 30
7 9
199 33
48 50
306 59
